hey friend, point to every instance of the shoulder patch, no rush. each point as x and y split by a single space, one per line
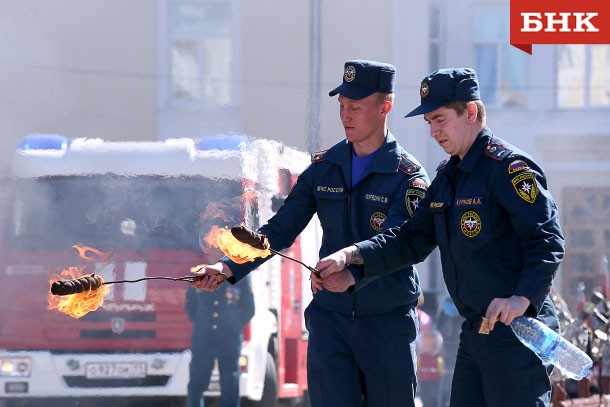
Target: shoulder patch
517 165
407 166
318 156
443 164
497 151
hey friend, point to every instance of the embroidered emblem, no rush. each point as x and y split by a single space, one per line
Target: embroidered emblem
413 198
516 166
377 221
477 200
525 185
418 183
424 90
470 224
350 74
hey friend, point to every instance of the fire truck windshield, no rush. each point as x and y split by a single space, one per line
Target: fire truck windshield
130 212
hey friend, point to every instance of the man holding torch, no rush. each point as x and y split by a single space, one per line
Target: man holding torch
497 228
361 331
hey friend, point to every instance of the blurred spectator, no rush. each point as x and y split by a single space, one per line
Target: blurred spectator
428 343
219 318
449 325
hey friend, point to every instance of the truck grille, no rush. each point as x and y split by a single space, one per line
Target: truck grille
148 381
108 334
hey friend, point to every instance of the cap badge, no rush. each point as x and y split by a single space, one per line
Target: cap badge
424 90
350 74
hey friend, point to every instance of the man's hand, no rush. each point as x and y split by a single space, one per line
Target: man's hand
317 284
211 277
506 309
339 282
335 262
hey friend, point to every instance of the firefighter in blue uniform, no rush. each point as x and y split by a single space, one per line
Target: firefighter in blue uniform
361 333
219 318
497 227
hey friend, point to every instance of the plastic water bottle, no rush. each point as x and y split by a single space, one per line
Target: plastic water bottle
552 347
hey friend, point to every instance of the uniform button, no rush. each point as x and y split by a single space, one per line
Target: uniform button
214 327
215 314
215 302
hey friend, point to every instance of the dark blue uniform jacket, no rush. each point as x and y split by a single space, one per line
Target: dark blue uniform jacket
219 317
391 188
496 226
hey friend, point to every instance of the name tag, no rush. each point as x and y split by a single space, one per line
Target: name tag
437 205
330 189
477 201
376 198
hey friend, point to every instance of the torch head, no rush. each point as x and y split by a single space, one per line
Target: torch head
249 237
69 287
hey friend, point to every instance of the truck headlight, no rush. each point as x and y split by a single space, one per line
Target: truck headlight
15 367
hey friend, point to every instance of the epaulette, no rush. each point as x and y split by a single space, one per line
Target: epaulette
407 166
442 164
318 156
497 151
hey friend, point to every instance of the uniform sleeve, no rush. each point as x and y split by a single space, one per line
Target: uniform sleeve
286 225
400 246
405 201
190 303
246 301
521 189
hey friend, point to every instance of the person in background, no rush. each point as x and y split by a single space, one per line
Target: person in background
448 323
219 318
361 346
429 344
497 228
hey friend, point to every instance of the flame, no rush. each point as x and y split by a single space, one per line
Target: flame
80 304
98 255
237 251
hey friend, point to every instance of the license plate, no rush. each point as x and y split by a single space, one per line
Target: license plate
115 370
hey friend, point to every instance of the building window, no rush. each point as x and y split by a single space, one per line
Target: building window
200 53
583 79
587 234
502 68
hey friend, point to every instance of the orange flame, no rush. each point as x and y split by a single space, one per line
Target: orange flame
98 255
237 251
80 304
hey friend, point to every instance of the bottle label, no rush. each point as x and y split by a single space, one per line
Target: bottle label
545 356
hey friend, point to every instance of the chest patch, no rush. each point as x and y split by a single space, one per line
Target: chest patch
413 198
526 187
470 223
377 221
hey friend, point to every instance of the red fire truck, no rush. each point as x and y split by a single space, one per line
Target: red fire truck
141 202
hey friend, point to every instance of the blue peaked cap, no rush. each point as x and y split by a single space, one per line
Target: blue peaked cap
444 86
362 78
